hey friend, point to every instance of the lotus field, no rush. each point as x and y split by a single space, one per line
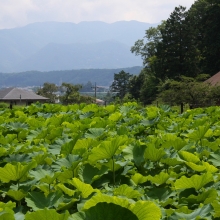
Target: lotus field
85 162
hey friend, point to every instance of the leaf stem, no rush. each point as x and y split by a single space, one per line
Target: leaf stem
113 169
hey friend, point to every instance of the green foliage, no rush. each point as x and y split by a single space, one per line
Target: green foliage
3 105
119 161
186 44
111 211
188 91
120 84
71 95
49 91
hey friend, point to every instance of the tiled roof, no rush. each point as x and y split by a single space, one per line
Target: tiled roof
19 94
214 80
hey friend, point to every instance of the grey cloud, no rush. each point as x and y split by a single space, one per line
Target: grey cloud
17 13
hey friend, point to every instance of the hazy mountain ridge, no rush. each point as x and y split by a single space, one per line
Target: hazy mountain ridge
102 77
32 47
107 54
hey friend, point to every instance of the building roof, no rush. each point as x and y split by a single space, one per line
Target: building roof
99 101
214 80
19 94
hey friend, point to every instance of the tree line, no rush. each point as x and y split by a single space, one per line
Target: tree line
178 56
66 94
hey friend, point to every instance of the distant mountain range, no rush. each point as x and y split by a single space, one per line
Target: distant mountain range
103 77
52 46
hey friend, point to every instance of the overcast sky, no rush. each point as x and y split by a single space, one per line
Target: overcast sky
17 13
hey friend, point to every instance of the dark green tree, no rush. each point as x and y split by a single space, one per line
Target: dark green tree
71 95
172 51
121 83
143 87
149 89
87 87
210 27
186 44
148 46
187 91
49 91
135 84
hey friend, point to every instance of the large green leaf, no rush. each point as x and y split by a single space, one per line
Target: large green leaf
17 195
105 198
216 207
206 197
107 149
153 154
84 189
65 189
16 172
54 133
105 211
198 168
171 140
71 161
46 176
18 158
19 216
159 179
90 108
6 216
139 179
65 176
16 126
162 194
200 213
135 152
189 157
89 173
46 214
196 181
210 168
128 192
85 143
67 148
144 210
10 205
115 116
198 134
171 161
37 200
215 158
95 133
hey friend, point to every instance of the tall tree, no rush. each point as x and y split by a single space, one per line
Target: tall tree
148 46
121 84
48 90
210 26
143 87
172 50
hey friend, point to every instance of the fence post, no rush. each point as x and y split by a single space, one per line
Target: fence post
181 108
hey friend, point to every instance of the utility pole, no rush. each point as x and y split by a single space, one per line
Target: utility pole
94 87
